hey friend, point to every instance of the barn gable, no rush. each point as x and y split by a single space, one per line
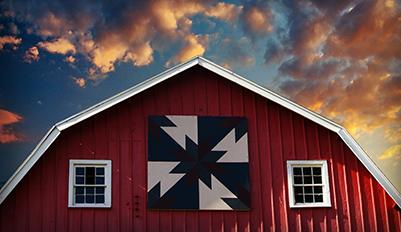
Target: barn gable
55 131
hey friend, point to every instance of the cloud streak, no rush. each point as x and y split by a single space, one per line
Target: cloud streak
59 46
7 133
9 40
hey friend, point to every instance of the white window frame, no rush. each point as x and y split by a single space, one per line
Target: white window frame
325 181
107 175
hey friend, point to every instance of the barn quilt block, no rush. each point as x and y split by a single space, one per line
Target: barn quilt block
198 163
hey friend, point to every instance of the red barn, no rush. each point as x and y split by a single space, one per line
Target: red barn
260 163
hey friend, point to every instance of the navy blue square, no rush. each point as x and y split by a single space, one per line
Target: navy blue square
198 162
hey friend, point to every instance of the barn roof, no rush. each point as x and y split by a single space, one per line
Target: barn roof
55 131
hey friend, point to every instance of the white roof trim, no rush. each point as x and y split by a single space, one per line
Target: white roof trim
53 133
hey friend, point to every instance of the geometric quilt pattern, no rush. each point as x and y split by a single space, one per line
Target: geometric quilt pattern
198 163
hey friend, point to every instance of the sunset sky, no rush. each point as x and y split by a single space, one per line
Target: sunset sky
341 59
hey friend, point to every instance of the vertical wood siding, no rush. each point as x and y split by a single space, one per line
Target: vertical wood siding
39 202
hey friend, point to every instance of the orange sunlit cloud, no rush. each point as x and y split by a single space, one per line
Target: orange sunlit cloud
60 46
7 134
31 55
12 40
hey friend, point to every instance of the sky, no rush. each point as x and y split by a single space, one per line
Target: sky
341 59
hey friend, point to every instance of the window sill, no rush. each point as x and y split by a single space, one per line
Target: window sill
319 205
89 206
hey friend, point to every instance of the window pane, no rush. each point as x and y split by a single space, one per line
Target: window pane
90 171
307 171
317 179
308 198
297 171
99 198
318 198
308 189
79 180
298 190
79 190
90 190
99 190
79 171
307 179
100 180
299 199
318 189
297 179
90 180
99 171
79 199
90 198
317 171
90 175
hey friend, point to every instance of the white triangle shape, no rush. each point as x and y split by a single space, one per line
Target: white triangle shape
184 126
211 199
236 152
159 172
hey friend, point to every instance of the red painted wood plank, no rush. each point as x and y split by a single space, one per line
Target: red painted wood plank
35 199
139 169
380 218
341 184
126 196
49 191
113 219
267 205
381 195
368 200
21 193
353 190
61 177
394 215
8 214
250 112
278 168
200 100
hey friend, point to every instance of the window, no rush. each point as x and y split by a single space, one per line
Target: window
308 183
89 183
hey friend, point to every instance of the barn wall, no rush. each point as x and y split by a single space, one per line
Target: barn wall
276 134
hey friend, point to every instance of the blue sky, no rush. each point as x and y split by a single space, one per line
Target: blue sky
340 59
